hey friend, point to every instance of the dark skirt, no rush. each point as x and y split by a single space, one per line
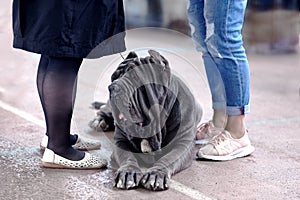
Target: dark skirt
68 28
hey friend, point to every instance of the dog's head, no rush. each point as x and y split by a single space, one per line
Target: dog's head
138 96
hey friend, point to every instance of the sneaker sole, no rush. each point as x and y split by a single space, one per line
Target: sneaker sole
202 142
242 152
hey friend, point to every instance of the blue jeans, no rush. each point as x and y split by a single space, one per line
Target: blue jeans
216 29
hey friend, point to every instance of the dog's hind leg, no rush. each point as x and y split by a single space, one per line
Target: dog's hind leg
104 120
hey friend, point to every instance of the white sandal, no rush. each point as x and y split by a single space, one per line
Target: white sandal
83 144
52 160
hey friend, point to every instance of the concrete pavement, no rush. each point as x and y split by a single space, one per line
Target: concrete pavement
272 172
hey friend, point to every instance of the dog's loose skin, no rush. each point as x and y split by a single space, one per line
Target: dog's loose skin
155 117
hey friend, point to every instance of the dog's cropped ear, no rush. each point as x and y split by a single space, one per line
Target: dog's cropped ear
157 56
131 55
120 71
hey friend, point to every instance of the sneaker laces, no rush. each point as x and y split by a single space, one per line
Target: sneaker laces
226 136
207 130
220 138
204 127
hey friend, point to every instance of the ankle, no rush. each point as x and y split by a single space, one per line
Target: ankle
236 126
219 118
237 135
73 139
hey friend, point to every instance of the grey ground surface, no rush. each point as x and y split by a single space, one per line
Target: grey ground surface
272 172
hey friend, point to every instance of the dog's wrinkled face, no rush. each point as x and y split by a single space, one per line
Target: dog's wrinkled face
126 114
137 95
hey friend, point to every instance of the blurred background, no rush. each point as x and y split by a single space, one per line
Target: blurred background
271 26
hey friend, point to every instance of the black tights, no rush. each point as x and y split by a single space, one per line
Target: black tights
56 83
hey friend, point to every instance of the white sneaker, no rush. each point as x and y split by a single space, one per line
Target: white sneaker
223 147
205 132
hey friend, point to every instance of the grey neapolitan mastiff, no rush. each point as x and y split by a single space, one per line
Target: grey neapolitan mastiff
154 115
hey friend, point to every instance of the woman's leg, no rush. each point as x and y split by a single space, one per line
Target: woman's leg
56 84
224 21
199 34
42 69
216 28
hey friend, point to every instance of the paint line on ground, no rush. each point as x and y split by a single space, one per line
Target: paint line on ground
22 114
195 194
274 121
174 184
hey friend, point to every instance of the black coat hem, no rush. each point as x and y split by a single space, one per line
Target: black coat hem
113 45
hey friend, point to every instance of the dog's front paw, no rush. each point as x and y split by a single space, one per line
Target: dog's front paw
155 180
128 178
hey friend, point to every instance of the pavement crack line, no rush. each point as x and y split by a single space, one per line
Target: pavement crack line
195 194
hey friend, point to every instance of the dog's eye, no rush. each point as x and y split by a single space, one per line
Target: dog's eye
139 124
